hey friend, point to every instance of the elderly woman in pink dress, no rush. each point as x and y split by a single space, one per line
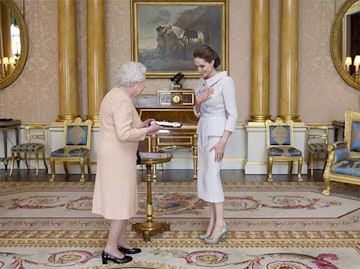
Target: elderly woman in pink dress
215 107
121 129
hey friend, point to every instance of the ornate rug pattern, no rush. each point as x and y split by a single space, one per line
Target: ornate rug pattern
272 225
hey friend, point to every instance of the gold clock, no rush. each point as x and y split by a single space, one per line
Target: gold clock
178 97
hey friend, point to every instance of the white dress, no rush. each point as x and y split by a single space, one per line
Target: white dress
216 115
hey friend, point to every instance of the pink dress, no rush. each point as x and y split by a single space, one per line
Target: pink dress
115 193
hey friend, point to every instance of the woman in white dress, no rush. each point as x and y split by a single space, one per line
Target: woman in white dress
121 129
215 106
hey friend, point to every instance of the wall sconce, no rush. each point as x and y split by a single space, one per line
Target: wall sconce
348 63
9 60
5 65
357 63
8 63
5 60
12 61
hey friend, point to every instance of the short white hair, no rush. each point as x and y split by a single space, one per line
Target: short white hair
131 73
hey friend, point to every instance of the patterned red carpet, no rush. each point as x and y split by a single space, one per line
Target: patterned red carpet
287 225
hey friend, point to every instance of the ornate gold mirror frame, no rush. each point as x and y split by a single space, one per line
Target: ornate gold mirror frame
11 69
336 46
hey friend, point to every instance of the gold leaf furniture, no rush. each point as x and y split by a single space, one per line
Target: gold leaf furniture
151 227
343 163
280 146
34 144
76 147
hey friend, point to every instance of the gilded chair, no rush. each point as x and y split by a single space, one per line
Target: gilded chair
317 144
343 163
75 149
34 144
280 146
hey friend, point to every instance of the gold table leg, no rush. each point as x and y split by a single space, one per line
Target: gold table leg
149 227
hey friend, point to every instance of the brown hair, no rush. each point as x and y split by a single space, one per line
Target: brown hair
208 54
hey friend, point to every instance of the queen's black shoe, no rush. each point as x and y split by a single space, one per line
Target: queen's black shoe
108 257
129 250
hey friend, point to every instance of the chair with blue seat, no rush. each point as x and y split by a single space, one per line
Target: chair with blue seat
343 163
280 146
75 149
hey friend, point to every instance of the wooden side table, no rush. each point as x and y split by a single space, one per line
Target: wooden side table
151 227
171 139
5 125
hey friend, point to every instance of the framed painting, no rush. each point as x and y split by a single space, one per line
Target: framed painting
165 34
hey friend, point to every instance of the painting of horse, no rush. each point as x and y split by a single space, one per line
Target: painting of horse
177 43
165 35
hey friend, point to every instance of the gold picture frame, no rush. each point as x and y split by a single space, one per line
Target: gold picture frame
165 34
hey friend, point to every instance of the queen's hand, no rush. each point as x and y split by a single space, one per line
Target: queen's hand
147 123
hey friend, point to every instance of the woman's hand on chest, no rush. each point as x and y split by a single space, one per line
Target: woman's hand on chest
204 96
216 98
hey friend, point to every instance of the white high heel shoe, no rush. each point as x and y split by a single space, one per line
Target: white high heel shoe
215 240
204 236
